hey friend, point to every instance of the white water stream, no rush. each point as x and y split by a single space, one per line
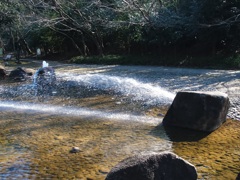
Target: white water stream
130 88
136 90
76 111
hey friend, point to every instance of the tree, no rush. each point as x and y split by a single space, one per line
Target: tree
69 17
89 26
12 24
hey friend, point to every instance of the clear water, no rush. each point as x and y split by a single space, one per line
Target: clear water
110 113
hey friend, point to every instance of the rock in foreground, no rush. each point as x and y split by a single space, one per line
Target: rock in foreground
162 166
204 111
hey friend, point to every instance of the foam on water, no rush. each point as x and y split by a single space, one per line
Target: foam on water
76 111
130 87
133 89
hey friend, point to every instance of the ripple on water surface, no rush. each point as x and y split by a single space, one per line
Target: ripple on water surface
35 139
103 143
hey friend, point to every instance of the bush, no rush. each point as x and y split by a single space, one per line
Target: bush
232 61
219 62
116 59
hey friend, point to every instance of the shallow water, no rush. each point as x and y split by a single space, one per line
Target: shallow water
110 113
49 138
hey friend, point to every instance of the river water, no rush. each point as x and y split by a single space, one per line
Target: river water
110 113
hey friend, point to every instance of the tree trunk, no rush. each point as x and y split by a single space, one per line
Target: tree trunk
85 48
96 41
98 45
73 42
26 47
213 47
175 52
13 40
76 46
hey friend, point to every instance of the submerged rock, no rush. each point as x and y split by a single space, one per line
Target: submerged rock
204 111
162 166
75 150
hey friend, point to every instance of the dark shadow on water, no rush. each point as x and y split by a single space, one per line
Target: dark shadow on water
177 134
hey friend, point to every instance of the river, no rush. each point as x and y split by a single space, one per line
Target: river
110 113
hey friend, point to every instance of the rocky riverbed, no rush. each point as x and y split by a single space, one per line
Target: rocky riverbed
170 79
176 79
110 113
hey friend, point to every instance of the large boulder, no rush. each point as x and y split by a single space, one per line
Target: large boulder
18 74
204 111
162 166
21 74
2 72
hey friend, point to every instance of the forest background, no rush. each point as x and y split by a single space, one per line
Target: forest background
190 33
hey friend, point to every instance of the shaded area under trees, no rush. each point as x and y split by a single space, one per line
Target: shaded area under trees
176 30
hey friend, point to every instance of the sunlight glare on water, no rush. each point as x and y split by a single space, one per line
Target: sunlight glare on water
77 111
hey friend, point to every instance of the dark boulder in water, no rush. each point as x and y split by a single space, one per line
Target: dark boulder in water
162 166
18 74
204 111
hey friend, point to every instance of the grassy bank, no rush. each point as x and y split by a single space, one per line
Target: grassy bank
232 62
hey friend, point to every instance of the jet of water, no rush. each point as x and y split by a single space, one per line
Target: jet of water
132 88
44 64
76 111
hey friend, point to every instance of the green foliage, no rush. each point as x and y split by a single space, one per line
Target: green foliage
217 62
117 60
232 62
176 31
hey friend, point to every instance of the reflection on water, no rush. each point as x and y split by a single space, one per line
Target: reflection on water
75 111
46 139
216 156
14 164
109 118
103 143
